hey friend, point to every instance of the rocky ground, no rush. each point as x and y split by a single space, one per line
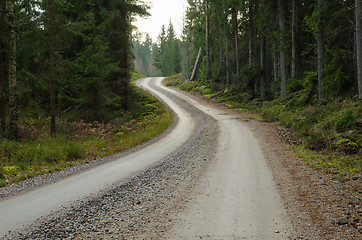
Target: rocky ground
320 206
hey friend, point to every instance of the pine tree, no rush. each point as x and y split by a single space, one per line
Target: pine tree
13 88
359 46
283 70
52 68
3 99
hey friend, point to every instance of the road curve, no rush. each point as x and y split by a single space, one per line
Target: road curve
19 211
237 198
234 196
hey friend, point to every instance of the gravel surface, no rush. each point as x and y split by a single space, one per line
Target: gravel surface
139 207
320 206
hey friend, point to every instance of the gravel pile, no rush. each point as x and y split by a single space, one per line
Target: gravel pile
140 207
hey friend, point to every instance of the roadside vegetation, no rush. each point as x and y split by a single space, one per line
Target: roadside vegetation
79 141
326 135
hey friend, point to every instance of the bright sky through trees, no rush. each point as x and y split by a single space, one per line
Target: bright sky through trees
161 12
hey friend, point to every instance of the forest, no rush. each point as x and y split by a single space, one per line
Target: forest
162 58
270 49
66 66
66 91
274 48
64 60
294 62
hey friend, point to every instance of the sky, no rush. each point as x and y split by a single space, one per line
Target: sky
161 12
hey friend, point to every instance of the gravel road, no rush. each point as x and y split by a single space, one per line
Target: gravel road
237 198
224 176
59 212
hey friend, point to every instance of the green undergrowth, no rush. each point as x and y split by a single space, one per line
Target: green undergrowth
330 132
136 76
81 141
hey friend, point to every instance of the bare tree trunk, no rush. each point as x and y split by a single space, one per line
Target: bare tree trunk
13 92
283 73
52 69
296 48
262 66
2 94
235 25
207 40
320 55
359 46
193 75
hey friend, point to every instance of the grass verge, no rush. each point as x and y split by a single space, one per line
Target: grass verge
329 134
82 142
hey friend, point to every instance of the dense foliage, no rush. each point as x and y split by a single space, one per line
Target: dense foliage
64 59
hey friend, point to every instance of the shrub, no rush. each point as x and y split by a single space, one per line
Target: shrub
347 146
271 113
3 183
286 119
341 123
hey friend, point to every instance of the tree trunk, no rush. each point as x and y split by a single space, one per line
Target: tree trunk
262 66
207 41
227 62
320 55
275 63
2 94
52 69
251 35
296 48
283 73
235 26
359 46
193 75
13 93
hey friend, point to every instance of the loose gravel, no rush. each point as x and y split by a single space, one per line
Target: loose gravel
139 207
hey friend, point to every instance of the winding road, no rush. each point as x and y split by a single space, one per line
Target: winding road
235 198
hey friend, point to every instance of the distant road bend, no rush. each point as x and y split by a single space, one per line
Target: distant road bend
235 198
